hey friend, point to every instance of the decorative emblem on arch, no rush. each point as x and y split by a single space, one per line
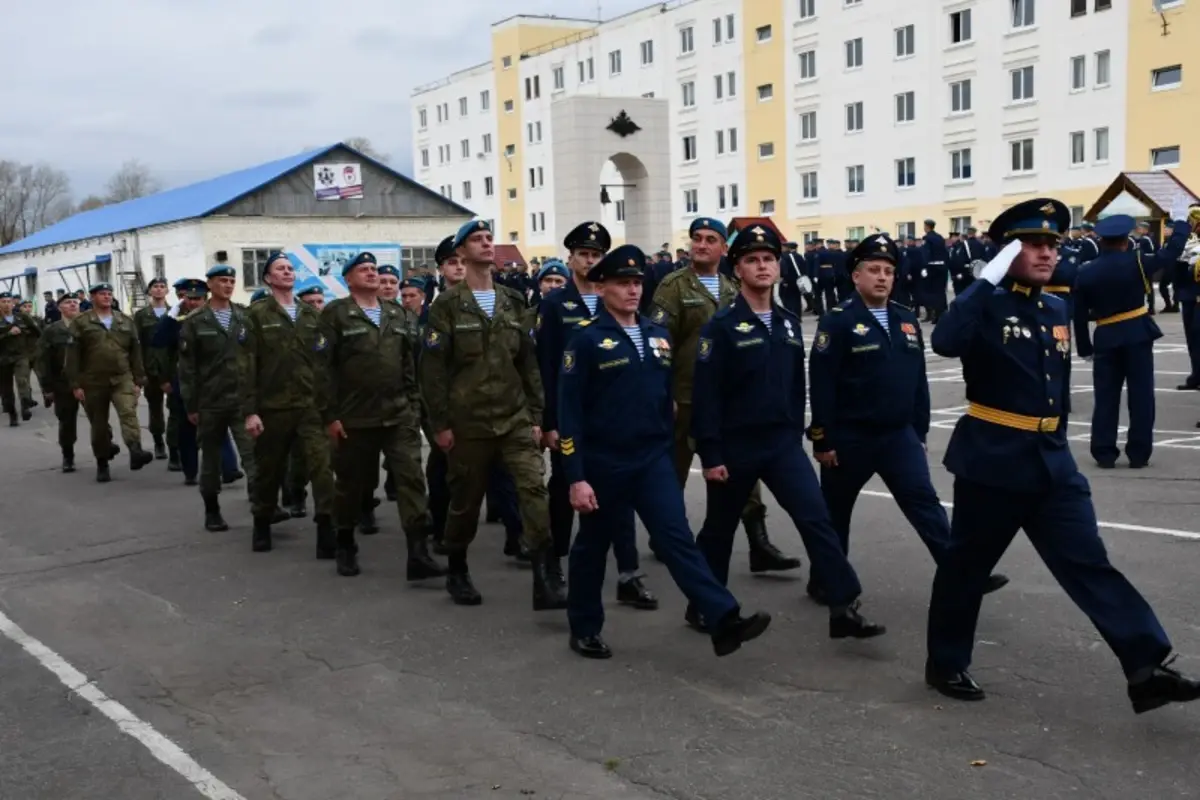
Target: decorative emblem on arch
622 125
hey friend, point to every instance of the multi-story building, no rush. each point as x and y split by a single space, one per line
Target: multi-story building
832 117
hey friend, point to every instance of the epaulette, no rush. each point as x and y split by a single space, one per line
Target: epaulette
673 276
900 305
513 293
1053 297
182 317
723 312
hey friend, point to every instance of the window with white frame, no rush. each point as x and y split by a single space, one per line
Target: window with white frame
766 92
582 66
763 33
514 237
1167 77
560 79
510 150
1103 68
854 53
689 94
855 233
489 187
734 201
534 219
718 30
533 88
466 190
1164 157
808 9
960 96
1022 83
1078 72
424 156
487 143
960 26
718 87
462 106
647 48
422 118
1078 147
1101 137
506 62
1021 153
849 3
1079 7
854 117
959 224
1022 13
722 200
808 65
766 150
906 230
856 179
512 194
731 84
905 41
766 207
906 107
465 148
686 42
730 27
691 201
1105 5
808 126
534 130
809 188
810 236
614 62
732 138
438 108
508 106
620 209
720 143
485 100
689 147
906 173
960 164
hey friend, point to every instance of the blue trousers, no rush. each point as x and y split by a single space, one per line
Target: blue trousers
1191 334
1061 524
1131 366
189 448
650 490
899 459
787 472
562 520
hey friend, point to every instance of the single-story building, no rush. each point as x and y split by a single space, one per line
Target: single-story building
322 207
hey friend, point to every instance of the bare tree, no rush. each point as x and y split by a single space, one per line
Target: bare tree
363 145
31 197
90 202
134 179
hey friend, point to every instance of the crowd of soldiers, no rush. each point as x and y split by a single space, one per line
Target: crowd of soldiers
624 393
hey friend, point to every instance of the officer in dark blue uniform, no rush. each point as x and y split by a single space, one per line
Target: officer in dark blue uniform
934 273
825 282
1013 469
870 406
1187 290
748 424
617 421
792 269
559 315
1087 245
1112 292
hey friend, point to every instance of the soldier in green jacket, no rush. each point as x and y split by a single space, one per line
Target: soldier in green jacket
25 366
104 368
146 319
483 393
210 343
18 333
51 366
283 355
685 300
294 494
370 405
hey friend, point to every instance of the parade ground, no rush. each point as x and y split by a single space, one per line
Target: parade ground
143 658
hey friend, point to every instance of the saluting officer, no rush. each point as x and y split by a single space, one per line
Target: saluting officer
371 405
683 303
104 367
1187 290
1112 291
748 424
51 365
870 405
616 417
146 319
1013 468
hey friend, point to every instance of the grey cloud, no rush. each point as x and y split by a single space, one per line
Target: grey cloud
270 99
282 34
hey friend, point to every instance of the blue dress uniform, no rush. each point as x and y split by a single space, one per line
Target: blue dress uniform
1112 292
792 268
748 416
1013 470
559 314
934 273
616 418
1187 290
825 280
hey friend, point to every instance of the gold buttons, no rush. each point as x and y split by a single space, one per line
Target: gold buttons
1043 329
1041 304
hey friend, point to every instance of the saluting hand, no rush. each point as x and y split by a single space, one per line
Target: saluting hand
583 499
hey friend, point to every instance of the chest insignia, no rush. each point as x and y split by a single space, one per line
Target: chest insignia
705 351
861 330
607 344
570 305
320 343
909 328
660 347
787 325
744 327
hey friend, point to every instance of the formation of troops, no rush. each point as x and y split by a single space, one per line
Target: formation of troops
624 391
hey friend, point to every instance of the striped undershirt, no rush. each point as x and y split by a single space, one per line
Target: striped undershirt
881 316
589 300
634 332
374 314
224 316
712 283
291 312
486 300
765 316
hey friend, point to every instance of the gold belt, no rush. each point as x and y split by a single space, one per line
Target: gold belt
1008 419
1124 315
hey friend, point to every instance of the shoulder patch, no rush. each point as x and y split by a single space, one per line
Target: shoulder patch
821 344
433 339
658 315
321 343
705 351
568 364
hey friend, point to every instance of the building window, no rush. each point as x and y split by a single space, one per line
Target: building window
720 142
766 207
1167 77
513 237
1021 151
1078 72
485 100
422 118
439 112
560 79
718 31
510 150
854 117
620 210
719 82
1022 13
1022 83
905 39
1078 148
763 33
906 230
614 62
906 105
689 94
1103 5
855 233
733 140
1103 67
960 26
466 190
462 106
536 177
537 222
534 132
508 106
1101 144
808 65
808 9
253 262
766 150
647 48
465 146
686 43
424 156
731 84
854 58
160 266
855 179
1076 216
689 148
721 202
808 186
512 194
766 91
506 62
587 71
734 202
1164 157
849 3
1078 7
533 88
960 164
906 172
691 201
487 143
959 224
808 126
729 26
960 96
489 187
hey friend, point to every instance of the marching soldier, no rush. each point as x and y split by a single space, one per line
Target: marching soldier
24 369
146 319
934 272
53 346
294 494
19 333
1013 468
451 271
104 368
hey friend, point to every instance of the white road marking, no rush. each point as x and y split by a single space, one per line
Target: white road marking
159 746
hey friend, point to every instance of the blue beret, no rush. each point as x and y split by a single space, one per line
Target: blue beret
588 236
708 224
627 261
388 269
414 283
221 271
272 257
315 288
876 247
1038 217
181 284
362 258
6 296
1115 227
474 226
444 250
760 237
553 266
156 281
1087 226
259 294
97 287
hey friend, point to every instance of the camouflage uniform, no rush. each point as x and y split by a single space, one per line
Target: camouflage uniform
146 321
14 360
106 363
24 368
51 367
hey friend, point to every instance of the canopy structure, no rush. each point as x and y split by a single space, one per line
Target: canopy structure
17 283
80 274
1142 195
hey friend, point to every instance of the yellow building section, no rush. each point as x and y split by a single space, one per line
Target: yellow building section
1164 117
766 119
510 39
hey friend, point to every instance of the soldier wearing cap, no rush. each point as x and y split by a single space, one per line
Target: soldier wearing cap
18 332
1141 240
24 368
931 287
412 297
294 495
483 394
616 414
748 425
684 302
451 271
870 405
211 343
51 366
1088 244
104 368
1124 337
146 319
1013 468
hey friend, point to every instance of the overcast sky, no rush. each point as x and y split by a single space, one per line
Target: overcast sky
195 88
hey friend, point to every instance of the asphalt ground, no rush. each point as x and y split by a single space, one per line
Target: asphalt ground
142 657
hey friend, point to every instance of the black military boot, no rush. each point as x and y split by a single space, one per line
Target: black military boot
138 457
547 595
367 525
12 419
514 548
298 508
279 515
68 464
213 521
764 556
735 630
459 584
114 450
160 448
554 571
233 477
326 539
261 541
26 412
347 554
102 473
439 544
173 462
421 565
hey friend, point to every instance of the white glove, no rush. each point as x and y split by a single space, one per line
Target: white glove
997 268
174 312
1179 208
805 285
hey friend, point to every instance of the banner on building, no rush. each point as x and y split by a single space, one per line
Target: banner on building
338 181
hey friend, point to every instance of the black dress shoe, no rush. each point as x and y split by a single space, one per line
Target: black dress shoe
260 542
1164 686
1188 387
462 589
995 582
634 593
852 625
1106 464
591 647
955 685
735 630
1138 464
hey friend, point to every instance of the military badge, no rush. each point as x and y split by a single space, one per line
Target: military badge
607 344
907 327
570 305
744 327
822 342
537 326
241 335
861 330
705 351
787 324
568 360
433 339
319 345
